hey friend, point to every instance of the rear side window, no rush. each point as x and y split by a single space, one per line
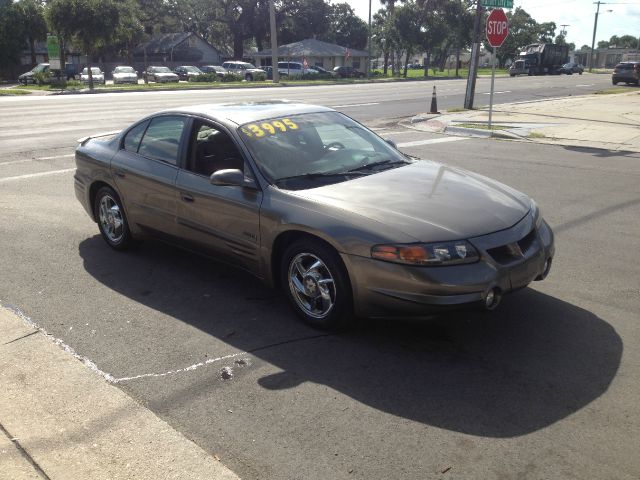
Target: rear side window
132 139
162 139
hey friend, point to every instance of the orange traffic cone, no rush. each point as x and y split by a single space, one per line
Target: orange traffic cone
434 102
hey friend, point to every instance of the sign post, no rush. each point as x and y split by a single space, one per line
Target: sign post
497 32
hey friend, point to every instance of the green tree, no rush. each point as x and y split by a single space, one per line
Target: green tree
346 28
89 23
35 26
12 33
546 32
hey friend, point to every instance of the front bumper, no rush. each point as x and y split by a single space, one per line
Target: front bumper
384 289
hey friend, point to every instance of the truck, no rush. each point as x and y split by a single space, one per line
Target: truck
540 59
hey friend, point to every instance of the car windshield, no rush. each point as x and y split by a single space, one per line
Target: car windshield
247 65
162 70
40 68
309 150
193 69
124 70
94 71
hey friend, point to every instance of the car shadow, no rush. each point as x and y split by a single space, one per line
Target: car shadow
532 362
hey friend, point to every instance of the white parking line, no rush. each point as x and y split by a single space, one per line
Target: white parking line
590 85
40 174
431 141
489 93
355 105
14 162
57 156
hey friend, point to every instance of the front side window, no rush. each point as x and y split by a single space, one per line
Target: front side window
307 150
162 139
211 149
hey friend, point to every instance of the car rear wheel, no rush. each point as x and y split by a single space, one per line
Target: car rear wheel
317 285
248 77
112 221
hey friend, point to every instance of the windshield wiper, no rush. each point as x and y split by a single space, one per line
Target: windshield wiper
369 166
313 175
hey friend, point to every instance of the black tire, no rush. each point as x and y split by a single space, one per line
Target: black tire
530 72
615 82
315 281
111 218
248 77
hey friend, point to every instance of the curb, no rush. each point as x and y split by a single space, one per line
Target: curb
62 421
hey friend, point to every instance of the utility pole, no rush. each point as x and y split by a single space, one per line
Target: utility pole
475 57
275 74
563 32
593 40
369 43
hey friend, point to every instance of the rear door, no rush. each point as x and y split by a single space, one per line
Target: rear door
224 220
145 170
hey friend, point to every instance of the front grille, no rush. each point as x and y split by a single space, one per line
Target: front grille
505 254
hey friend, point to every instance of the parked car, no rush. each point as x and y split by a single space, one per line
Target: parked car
628 72
247 70
28 77
123 74
571 68
347 72
294 69
320 69
217 69
159 75
96 73
306 198
184 72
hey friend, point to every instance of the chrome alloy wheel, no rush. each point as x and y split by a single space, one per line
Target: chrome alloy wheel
111 219
311 285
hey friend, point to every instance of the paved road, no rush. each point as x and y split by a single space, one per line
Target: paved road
63 119
542 388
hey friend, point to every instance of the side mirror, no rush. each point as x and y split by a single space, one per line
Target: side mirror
230 177
391 142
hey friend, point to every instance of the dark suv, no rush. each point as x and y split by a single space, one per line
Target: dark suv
347 72
628 72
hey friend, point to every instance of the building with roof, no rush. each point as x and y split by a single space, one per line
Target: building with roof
318 53
177 49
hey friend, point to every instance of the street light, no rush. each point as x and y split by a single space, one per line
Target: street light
595 26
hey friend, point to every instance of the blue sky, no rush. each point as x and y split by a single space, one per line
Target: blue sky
623 19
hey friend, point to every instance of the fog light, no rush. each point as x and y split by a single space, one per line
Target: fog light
492 299
545 270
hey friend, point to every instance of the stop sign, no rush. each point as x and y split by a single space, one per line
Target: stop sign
497 27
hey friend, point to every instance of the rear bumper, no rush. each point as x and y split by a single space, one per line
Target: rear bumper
384 289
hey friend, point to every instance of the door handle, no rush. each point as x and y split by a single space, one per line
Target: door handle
118 173
186 197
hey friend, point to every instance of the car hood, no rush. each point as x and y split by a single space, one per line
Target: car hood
165 74
125 74
427 201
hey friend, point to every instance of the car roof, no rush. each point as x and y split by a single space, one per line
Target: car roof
239 113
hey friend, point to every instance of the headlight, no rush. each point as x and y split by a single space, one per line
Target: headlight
444 253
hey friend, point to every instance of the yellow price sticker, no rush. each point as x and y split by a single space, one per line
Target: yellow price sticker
271 127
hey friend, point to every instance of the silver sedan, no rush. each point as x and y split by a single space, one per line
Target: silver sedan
307 199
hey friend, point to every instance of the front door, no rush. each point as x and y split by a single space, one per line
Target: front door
225 220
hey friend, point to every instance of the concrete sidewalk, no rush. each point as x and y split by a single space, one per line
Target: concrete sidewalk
596 121
60 420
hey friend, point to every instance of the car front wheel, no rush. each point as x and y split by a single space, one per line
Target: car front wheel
112 221
317 285
248 77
